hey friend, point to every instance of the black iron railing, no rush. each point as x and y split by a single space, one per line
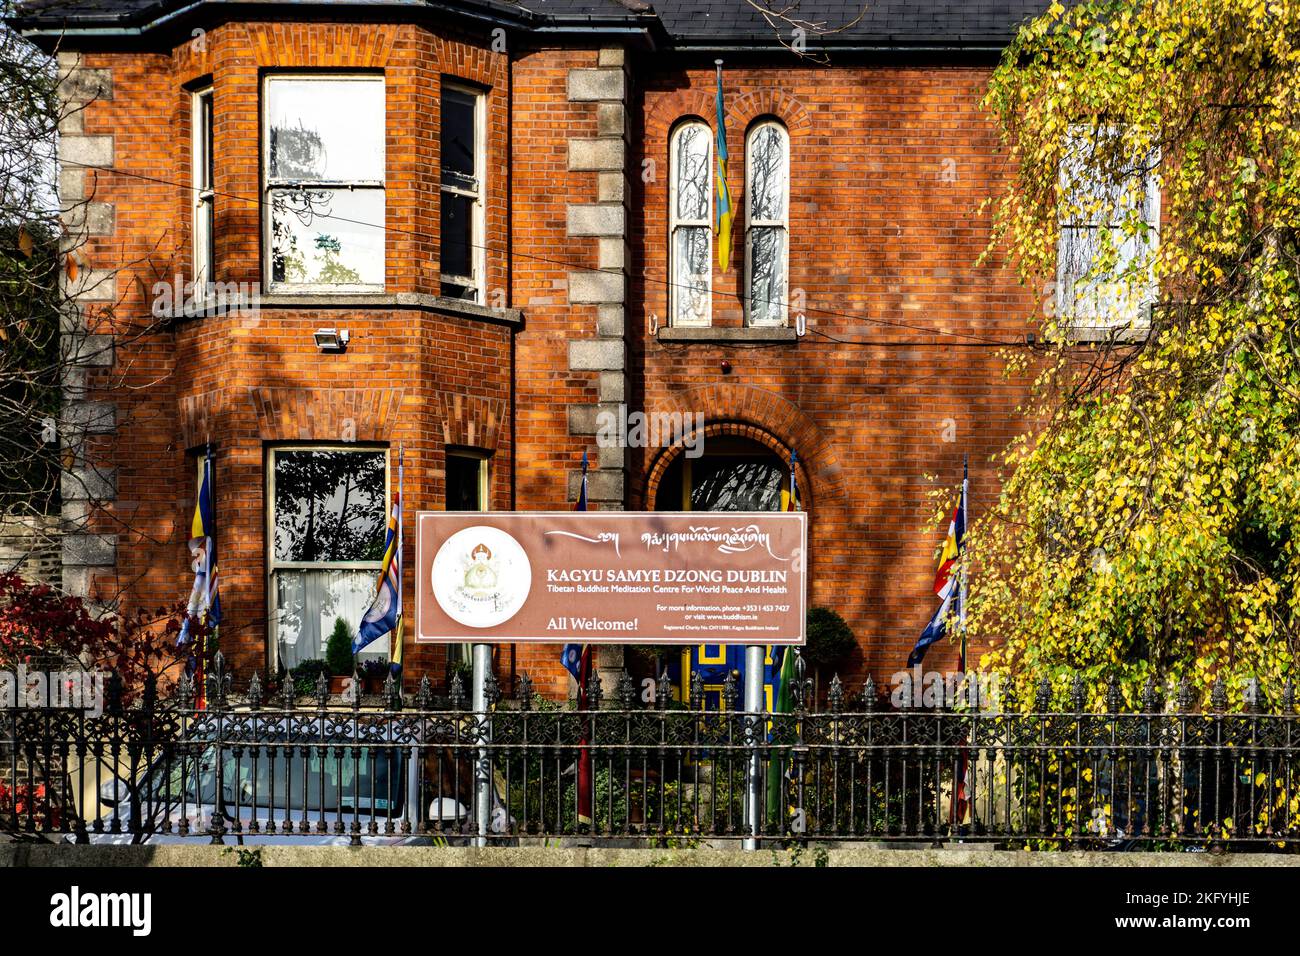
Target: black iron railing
668 773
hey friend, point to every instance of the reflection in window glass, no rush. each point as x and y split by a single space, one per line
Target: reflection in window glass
691 203
1108 235
766 232
328 524
325 181
461 217
734 474
323 237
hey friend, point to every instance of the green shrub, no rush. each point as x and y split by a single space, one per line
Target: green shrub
304 676
830 639
338 651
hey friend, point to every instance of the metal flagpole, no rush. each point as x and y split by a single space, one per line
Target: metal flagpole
482 770
961 552
754 655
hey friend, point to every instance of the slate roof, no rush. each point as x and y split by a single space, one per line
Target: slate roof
885 23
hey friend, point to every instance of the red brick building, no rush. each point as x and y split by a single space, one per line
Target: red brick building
509 206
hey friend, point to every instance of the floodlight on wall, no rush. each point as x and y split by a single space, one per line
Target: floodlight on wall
331 340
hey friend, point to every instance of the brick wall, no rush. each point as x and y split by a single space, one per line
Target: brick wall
888 165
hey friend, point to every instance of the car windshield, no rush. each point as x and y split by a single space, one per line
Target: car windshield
358 779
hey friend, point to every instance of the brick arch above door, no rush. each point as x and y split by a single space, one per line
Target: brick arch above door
762 416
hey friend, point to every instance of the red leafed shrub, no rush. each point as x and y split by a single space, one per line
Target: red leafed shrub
29 804
39 623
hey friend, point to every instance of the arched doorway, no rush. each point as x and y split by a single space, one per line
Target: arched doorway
734 473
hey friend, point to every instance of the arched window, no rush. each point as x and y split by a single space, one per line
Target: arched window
690 229
733 474
767 239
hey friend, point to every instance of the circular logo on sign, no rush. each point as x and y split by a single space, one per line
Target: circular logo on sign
481 576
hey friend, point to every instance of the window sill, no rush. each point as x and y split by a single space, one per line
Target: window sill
728 336
1106 334
375 300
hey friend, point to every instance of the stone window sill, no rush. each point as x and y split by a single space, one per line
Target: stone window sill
728 336
368 300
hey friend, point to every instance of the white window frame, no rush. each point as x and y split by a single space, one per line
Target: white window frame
783 224
274 565
203 225
269 185
675 282
1089 323
478 224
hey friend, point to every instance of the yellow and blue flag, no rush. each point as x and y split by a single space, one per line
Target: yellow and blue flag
950 590
725 212
385 614
205 597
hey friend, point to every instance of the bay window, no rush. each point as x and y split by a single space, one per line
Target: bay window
201 178
326 526
324 182
461 248
690 224
767 197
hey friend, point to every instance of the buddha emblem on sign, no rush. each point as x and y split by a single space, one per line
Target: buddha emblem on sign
481 574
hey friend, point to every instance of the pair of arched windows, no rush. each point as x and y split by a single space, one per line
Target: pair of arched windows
766 223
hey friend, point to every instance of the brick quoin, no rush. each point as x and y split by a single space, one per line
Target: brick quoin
889 163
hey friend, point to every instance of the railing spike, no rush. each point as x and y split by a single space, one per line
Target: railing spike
523 692
491 689
836 695
1183 696
1288 697
1218 696
626 691
697 690
424 694
393 692
663 691
1150 699
1043 696
595 689
288 693
730 690
456 692
185 692
869 694
1113 696
255 691
1076 693
322 691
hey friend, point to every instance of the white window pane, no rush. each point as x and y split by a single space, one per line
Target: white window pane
767 173
326 129
691 265
309 602
767 276
692 172
327 236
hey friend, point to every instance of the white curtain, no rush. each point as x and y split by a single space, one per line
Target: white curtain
307 604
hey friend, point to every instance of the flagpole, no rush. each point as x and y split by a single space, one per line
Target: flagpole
399 631
965 521
481 659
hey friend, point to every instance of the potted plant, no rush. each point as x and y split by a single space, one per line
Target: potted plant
830 640
338 656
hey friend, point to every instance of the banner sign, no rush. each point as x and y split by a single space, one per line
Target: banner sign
611 577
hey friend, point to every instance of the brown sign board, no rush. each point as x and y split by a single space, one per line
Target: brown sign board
610 577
